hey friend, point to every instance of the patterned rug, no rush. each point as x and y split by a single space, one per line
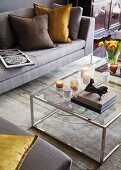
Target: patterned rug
15 104
15 107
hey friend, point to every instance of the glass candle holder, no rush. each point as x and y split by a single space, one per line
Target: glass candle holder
59 84
83 70
86 78
67 92
74 85
106 76
113 68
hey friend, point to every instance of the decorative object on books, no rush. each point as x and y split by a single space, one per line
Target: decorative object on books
113 49
92 102
99 90
14 58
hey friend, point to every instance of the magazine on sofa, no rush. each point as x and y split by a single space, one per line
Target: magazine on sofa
12 58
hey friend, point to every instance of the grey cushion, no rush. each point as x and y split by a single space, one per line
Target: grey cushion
7 38
42 57
39 157
75 18
32 33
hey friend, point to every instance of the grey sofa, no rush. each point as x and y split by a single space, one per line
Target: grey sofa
45 60
42 156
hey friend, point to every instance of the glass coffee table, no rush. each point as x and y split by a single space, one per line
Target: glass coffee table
64 115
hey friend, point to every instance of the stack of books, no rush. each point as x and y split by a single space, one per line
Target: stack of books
92 102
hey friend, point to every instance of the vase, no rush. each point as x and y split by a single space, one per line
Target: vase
113 62
112 59
113 68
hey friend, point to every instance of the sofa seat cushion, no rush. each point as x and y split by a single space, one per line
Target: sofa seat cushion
42 156
41 57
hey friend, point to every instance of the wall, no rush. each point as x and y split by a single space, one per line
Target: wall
7 5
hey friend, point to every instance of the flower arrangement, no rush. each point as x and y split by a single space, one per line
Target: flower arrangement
113 49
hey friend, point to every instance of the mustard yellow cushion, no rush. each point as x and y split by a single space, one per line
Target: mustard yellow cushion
58 21
13 150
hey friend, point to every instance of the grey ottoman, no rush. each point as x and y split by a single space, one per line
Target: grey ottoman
42 156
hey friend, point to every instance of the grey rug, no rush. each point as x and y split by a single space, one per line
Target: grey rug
15 107
15 104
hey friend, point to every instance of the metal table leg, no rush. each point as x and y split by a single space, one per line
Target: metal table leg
32 110
103 145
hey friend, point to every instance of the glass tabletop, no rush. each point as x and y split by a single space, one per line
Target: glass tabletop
59 98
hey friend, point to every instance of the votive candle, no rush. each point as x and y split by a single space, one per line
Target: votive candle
59 84
74 85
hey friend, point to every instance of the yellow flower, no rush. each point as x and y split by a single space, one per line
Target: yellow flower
112 41
112 46
100 44
106 42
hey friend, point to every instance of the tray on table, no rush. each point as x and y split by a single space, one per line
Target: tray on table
106 68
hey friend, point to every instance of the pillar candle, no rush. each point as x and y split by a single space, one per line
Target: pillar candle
83 70
86 77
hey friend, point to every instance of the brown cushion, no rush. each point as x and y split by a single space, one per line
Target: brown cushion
32 33
7 37
74 23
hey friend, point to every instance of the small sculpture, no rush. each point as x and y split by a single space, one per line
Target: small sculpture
99 90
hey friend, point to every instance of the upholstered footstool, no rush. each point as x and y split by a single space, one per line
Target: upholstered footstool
43 156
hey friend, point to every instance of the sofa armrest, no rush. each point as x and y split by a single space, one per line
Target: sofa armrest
86 32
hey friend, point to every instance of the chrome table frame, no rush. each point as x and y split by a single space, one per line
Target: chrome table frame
104 128
102 158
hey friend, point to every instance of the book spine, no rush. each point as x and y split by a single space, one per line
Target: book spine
89 102
98 110
108 106
108 102
94 104
85 105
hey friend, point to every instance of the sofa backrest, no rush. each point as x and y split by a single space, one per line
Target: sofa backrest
7 37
